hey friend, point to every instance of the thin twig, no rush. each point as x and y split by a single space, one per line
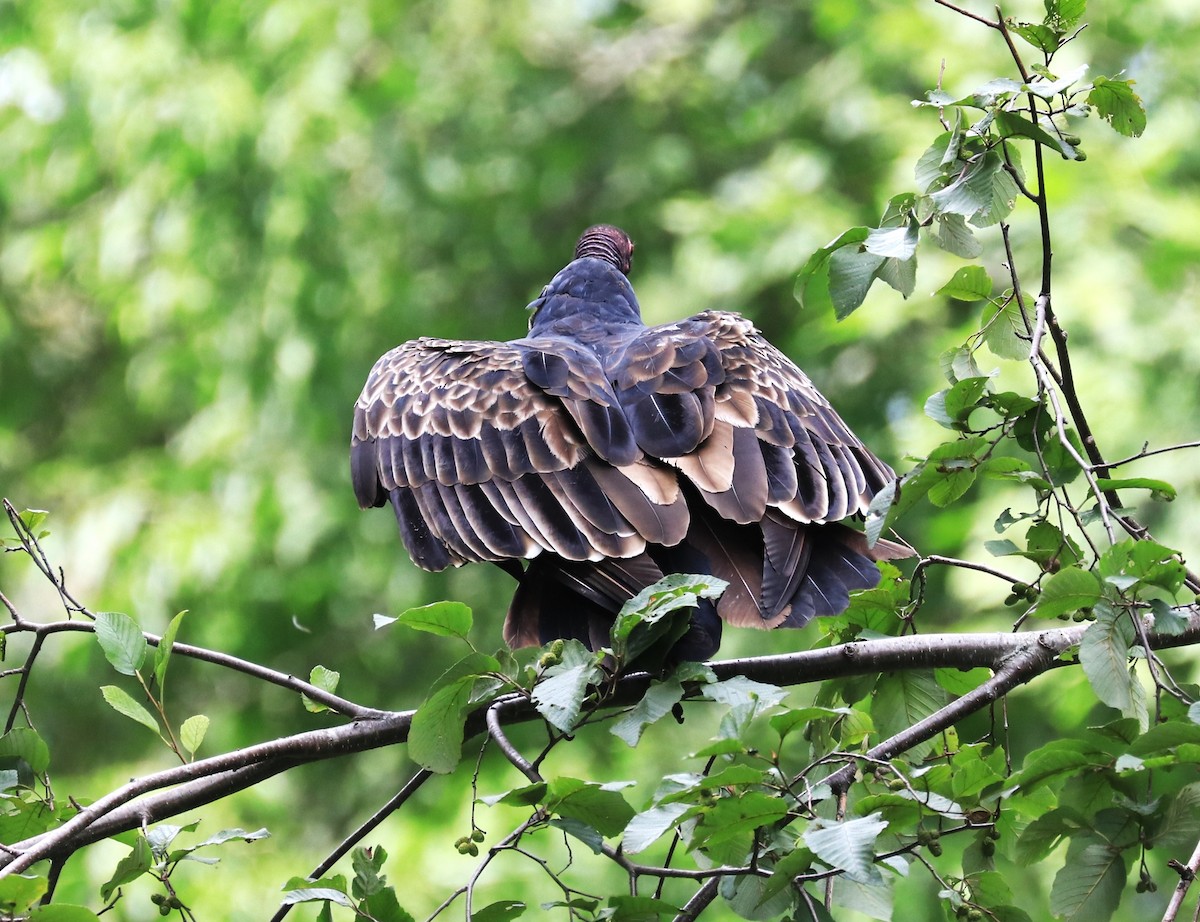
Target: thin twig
246 667
362 832
1147 452
496 732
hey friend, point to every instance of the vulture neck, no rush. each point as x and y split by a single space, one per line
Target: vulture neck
587 300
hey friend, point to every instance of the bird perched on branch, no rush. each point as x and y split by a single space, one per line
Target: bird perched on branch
606 454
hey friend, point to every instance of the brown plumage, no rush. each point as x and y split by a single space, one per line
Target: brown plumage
607 453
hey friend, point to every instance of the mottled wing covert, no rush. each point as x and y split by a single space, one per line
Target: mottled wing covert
764 449
490 451
773 440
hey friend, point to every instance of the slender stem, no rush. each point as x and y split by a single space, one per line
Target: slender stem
496 732
1148 452
333 702
414 783
967 13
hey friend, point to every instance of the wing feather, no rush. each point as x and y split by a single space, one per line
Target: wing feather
608 458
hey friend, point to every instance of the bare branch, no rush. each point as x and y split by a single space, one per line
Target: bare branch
1187 874
1148 452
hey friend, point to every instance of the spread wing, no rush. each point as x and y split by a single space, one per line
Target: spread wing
762 448
491 451
746 426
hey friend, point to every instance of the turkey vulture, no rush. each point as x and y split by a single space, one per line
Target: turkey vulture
607 453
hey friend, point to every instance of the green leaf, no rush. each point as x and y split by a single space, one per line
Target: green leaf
314 894
658 701
950 485
1041 37
383 906
1067 591
1064 15
748 896
894 242
954 236
746 699
737 775
162 653
851 271
436 735
324 679
644 829
642 621
1160 489
1130 562
120 701
121 640
787 868
848 845
446 619
23 819
500 911
1055 759
32 519
1011 124
237 833
901 699
1004 330
900 274
962 398
559 696
877 513
852 237
191 733
974 769
600 806
1181 826
638 909
1041 837
969 283
960 681
799 718
367 866
1119 105
734 818
524 796
1168 620
129 868
18 891
1104 656
970 192
62 912
25 744
1089 886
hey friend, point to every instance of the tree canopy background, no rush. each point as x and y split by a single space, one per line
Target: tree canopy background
215 215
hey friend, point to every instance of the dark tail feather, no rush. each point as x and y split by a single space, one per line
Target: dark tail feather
841 563
577 599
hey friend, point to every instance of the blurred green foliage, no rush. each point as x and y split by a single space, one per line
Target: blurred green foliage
215 215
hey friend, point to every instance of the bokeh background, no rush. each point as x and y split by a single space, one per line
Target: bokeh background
215 215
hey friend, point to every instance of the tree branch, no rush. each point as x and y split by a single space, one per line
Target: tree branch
1187 874
334 702
1017 658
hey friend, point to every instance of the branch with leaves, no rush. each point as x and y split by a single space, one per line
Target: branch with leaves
892 741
